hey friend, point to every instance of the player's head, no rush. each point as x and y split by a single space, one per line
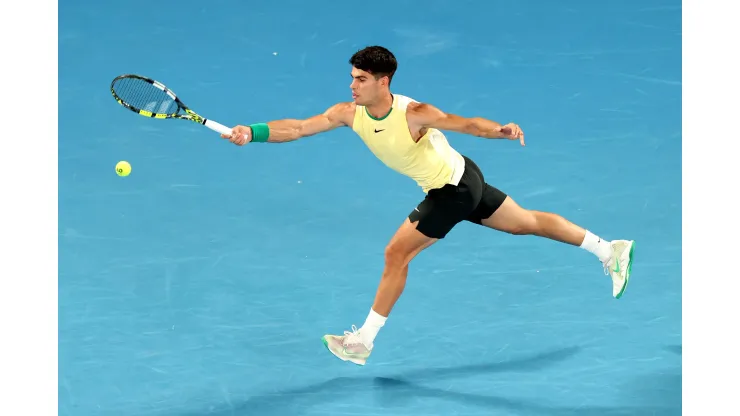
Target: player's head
372 71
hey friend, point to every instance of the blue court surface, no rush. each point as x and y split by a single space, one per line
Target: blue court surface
202 283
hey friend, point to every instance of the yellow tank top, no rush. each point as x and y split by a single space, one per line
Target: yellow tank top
431 161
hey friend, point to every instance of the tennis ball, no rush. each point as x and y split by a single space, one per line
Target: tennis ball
123 168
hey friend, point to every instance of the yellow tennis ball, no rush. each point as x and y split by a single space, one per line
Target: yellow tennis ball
123 168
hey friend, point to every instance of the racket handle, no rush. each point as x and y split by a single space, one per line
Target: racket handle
217 127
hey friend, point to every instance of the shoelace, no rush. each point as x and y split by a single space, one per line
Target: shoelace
608 265
352 338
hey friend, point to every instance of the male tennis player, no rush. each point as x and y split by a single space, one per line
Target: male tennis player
406 136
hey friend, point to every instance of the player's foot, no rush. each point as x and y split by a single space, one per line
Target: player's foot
347 347
619 265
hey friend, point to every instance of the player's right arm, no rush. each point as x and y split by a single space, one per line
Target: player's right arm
287 130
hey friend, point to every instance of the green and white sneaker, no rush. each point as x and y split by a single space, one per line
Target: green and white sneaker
619 265
348 347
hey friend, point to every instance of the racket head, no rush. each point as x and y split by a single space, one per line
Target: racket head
147 97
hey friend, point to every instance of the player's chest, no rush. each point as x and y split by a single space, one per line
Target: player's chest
382 137
397 135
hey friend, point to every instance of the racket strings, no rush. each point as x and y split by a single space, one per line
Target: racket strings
143 95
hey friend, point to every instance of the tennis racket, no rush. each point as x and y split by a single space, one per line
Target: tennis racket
153 99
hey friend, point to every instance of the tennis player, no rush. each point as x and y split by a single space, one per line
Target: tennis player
406 135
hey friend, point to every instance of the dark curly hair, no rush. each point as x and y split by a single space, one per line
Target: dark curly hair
376 60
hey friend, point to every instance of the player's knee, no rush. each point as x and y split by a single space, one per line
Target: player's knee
395 256
521 229
527 224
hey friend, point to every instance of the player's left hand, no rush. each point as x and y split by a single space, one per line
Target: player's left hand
512 131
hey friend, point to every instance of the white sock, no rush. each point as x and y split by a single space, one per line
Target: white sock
595 245
370 329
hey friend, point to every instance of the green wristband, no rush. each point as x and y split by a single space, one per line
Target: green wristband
260 132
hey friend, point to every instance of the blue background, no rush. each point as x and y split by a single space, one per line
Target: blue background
202 283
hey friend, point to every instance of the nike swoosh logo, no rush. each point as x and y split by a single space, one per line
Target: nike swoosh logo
352 354
378 131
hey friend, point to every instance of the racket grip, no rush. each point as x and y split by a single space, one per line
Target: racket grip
217 127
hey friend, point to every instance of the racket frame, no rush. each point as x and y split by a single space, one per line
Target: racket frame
189 114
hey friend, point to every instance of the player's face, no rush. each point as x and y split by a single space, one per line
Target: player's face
365 88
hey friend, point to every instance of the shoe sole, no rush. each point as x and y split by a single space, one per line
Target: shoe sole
629 272
326 344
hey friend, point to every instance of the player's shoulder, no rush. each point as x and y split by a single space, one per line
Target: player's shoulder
343 107
343 112
412 105
417 109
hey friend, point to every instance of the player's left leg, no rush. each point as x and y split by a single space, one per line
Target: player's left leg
509 217
500 212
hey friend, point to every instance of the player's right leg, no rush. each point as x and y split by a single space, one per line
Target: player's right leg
429 222
356 345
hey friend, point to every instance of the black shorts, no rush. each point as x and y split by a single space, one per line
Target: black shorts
471 200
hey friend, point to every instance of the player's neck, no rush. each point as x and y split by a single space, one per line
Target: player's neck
382 107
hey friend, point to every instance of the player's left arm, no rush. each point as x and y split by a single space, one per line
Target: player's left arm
427 115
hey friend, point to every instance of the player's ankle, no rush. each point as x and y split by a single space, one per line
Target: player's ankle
371 327
597 246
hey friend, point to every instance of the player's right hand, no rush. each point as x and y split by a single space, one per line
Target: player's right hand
240 135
